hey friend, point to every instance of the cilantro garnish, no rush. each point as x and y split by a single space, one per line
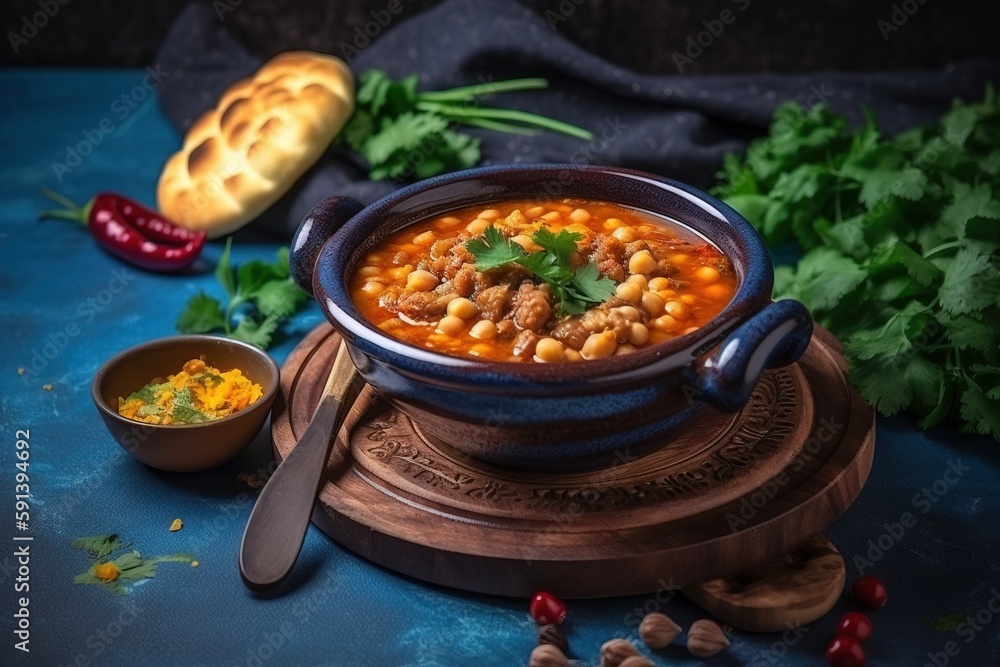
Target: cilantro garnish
262 292
115 573
574 290
402 133
902 249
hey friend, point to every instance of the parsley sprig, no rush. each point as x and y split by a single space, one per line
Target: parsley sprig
902 249
574 290
262 294
401 132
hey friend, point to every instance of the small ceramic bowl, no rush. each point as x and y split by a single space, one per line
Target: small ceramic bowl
561 416
184 447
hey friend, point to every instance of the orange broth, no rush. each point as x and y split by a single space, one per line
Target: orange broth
691 282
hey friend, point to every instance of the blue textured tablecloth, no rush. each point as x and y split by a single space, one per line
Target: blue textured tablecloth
940 568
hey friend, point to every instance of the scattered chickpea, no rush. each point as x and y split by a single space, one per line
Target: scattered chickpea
526 242
678 258
477 226
629 292
613 223
624 234
549 350
490 214
450 221
689 299
463 308
624 348
369 271
599 345
706 274
580 215
675 309
534 212
638 334
641 262
715 291
630 313
638 279
664 323
372 288
450 325
572 355
551 216
421 281
426 239
652 303
483 330
659 284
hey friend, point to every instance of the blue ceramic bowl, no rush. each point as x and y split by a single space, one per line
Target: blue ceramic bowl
566 416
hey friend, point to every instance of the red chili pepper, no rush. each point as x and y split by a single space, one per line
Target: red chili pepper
131 231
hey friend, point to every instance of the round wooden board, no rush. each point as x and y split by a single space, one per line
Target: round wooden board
732 493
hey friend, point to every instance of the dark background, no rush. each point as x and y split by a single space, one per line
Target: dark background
638 34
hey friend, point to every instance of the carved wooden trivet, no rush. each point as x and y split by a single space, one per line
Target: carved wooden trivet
732 493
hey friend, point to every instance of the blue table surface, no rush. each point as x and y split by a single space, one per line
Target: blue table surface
942 570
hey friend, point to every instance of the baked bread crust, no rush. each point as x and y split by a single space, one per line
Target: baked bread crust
265 132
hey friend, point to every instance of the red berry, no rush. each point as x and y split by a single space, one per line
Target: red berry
845 652
855 624
547 609
870 592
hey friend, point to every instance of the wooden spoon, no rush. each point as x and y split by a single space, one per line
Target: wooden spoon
280 517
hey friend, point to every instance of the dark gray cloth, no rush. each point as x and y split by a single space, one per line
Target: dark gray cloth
677 126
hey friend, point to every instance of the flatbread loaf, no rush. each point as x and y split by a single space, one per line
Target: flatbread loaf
265 132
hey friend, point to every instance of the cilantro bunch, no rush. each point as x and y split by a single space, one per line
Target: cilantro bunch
401 132
574 290
262 293
901 241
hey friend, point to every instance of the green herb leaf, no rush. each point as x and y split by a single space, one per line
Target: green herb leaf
590 286
224 270
202 314
98 546
256 333
280 298
493 250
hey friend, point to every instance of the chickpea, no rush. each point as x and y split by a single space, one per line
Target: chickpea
463 308
716 291
613 223
450 221
624 234
372 288
659 284
652 303
450 325
629 292
599 345
534 212
490 214
665 323
638 279
630 313
675 309
580 215
638 334
689 299
572 355
483 330
424 240
477 226
552 216
624 348
421 281
402 272
641 262
369 271
526 242
706 274
679 258
549 350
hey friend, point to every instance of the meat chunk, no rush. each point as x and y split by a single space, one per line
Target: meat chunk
464 282
524 344
532 307
608 254
571 332
420 305
506 330
389 299
494 302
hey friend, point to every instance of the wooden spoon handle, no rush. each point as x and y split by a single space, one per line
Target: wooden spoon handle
280 517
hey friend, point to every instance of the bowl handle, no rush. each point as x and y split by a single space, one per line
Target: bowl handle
314 231
776 336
